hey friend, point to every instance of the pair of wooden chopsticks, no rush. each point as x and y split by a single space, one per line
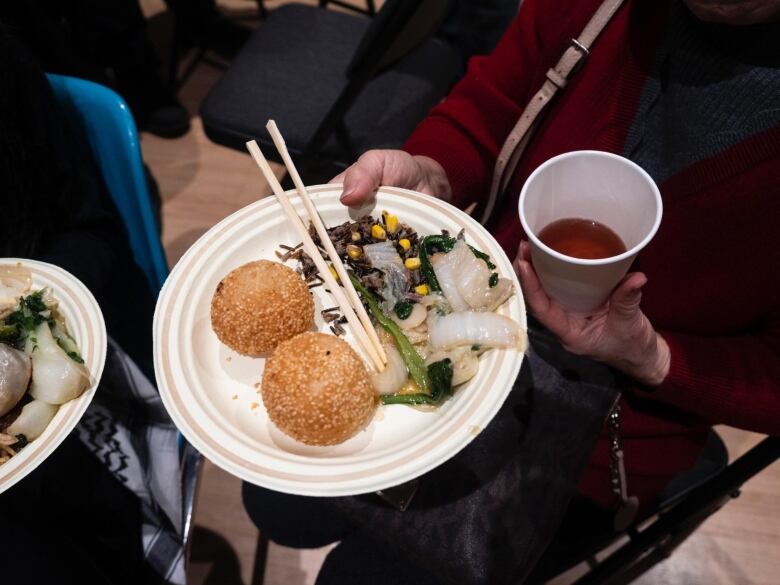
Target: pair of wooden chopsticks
349 303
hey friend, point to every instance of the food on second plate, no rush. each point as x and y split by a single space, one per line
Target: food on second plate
40 365
316 389
260 304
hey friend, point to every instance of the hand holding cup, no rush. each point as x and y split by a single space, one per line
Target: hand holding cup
577 284
618 333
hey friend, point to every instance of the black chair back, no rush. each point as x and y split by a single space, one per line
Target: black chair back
398 28
378 78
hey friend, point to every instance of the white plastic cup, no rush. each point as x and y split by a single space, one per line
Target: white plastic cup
594 185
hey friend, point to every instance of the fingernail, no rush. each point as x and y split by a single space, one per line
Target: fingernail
347 193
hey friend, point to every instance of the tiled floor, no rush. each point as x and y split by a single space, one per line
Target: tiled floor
201 183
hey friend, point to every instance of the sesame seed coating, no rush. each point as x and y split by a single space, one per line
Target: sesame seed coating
260 304
316 389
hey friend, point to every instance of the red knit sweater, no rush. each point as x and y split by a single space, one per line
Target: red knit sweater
714 288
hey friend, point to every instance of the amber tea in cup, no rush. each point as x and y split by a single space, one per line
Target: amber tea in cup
587 214
581 238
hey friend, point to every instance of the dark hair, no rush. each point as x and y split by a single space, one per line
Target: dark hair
34 184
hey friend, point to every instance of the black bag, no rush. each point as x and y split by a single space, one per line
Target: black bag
485 516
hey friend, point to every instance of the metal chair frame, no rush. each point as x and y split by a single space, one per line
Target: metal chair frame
657 540
175 79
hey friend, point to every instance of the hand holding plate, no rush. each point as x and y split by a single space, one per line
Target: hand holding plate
394 168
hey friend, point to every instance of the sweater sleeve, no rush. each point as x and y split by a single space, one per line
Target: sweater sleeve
466 131
725 355
727 380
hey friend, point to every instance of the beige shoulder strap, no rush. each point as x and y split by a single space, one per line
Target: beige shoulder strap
556 79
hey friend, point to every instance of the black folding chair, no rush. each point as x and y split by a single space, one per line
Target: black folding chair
688 501
336 83
180 69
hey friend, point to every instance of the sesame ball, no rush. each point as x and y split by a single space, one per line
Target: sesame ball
316 389
260 304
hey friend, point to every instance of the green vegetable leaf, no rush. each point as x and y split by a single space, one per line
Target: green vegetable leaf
22 320
407 399
21 441
482 256
414 363
68 345
430 245
34 302
493 280
440 374
9 334
403 310
32 312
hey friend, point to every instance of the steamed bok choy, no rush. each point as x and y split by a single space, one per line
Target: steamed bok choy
434 381
40 365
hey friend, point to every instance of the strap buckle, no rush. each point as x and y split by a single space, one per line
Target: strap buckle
582 50
579 47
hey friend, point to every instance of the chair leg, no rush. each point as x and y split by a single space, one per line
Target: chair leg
659 539
660 553
261 556
262 12
192 65
173 57
191 473
649 547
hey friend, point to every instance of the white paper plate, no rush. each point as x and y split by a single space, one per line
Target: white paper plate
212 393
85 324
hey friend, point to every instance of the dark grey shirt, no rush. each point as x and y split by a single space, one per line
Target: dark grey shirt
712 87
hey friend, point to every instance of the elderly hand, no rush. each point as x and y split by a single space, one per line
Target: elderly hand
392 167
617 334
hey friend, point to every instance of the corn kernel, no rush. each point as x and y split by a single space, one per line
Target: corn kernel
377 232
355 236
412 263
354 252
422 289
333 272
404 243
391 222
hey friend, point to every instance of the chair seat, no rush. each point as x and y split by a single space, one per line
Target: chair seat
302 49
